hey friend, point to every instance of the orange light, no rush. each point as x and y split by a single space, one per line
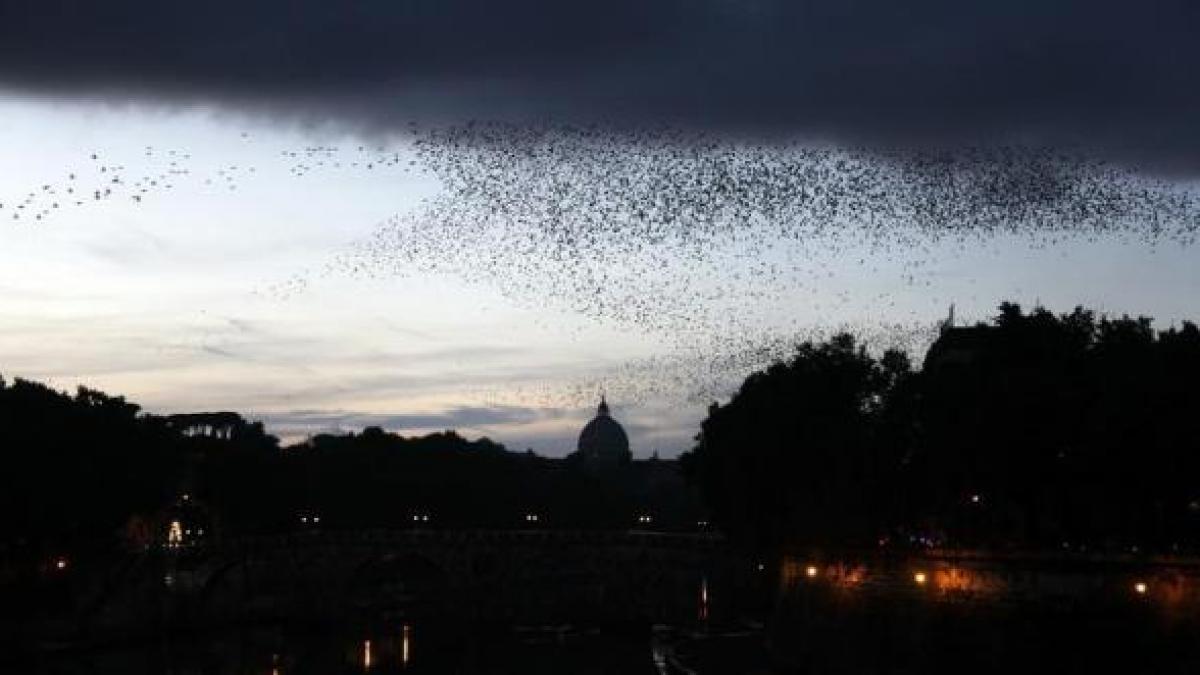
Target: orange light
1140 588
811 571
366 654
920 578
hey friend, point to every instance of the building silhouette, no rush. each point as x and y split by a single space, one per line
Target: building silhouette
603 442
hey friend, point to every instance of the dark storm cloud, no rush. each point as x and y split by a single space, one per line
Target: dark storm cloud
1119 76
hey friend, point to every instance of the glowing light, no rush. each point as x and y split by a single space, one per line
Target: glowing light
761 567
175 534
404 656
703 599
1140 588
954 580
366 654
316 519
811 571
61 563
847 576
975 499
920 578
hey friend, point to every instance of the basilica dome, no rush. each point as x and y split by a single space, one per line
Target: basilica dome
602 440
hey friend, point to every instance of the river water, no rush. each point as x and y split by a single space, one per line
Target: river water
925 616
407 648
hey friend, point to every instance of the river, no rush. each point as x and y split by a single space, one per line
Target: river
919 616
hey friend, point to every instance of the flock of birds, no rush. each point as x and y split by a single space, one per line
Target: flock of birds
318 157
101 179
98 180
728 251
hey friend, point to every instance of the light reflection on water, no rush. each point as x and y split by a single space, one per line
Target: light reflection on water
405 648
960 613
389 651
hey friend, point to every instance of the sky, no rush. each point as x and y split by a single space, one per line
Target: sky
323 259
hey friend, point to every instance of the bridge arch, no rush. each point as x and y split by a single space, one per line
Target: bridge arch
397 579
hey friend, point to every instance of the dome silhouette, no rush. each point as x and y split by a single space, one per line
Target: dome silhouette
602 440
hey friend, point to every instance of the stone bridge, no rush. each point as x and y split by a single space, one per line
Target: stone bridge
524 576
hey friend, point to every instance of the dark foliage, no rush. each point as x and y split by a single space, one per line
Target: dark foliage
76 467
378 479
90 473
796 453
1070 429
1035 430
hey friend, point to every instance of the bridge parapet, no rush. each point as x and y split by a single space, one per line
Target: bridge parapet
420 537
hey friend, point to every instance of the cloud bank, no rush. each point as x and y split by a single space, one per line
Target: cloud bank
1114 77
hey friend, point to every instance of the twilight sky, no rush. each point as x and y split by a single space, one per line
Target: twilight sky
316 265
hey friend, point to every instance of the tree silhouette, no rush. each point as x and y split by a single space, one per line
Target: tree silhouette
795 453
77 467
1033 430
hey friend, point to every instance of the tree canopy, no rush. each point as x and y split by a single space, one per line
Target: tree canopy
1032 430
79 469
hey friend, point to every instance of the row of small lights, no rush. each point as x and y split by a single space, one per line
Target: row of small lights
921 578
1139 587
529 518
